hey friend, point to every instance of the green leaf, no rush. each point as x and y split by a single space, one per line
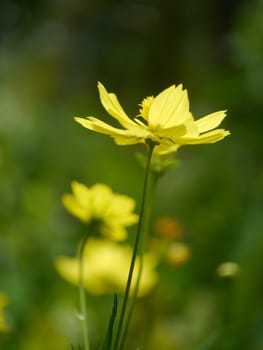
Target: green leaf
108 339
72 347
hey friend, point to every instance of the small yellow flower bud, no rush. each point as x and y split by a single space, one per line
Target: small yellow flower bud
227 269
178 254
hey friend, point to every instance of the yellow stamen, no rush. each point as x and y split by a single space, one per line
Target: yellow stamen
145 106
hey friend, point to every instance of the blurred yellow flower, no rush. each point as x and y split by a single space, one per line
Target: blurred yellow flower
112 212
178 254
4 327
165 119
106 266
228 269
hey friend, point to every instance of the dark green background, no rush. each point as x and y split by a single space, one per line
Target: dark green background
52 53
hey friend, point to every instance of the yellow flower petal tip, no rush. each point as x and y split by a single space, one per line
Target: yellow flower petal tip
111 212
106 267
165 119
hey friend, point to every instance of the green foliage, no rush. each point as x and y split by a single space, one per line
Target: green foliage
107 345
76 348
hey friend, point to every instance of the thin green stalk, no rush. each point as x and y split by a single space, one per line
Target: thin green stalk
135 250
142 249
82 297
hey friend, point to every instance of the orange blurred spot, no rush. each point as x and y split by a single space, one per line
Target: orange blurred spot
169 228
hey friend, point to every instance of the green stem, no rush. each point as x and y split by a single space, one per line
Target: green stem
82 297
145 235
135 250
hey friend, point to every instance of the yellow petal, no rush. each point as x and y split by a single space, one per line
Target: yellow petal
173 131
116 233
129 136
128 140
191 128
74 207
68 268
209 137
210 121
101 198
95 124
112 106
119 206
166 149
149 276
78 203
81 193
169 108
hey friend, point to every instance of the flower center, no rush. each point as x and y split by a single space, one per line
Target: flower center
145 107
95 225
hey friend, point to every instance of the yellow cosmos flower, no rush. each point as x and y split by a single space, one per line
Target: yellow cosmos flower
165 120
112 212
106 266
4 327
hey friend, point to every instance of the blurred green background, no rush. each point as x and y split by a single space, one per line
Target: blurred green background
52 53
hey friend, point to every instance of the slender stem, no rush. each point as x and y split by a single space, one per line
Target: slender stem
82 297
145 235
135 250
